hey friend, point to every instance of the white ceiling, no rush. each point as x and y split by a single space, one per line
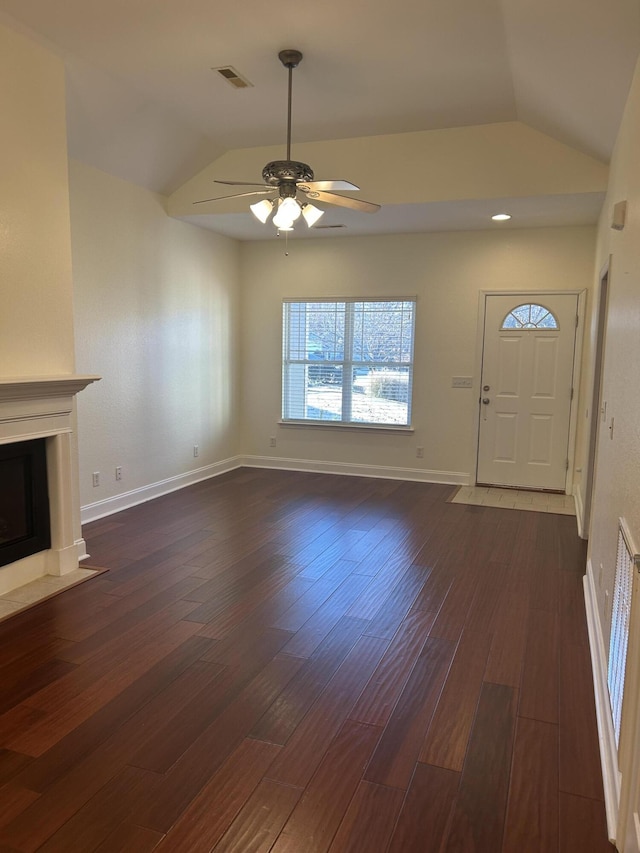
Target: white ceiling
144 104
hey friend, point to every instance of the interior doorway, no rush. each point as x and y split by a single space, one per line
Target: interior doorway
598 412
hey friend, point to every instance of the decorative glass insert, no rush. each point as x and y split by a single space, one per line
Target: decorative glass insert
529 317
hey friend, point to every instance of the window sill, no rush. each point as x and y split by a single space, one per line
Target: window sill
339 425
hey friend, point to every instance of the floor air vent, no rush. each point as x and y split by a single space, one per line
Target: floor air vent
626 559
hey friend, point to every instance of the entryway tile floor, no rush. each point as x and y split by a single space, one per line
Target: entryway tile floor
515 499
22 597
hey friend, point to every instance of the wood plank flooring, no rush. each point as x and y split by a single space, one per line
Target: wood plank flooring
302 663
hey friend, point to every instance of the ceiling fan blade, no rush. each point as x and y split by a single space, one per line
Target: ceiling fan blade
328 185
235 195
344 201
241 183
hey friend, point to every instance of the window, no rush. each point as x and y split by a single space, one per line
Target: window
529 317
348 361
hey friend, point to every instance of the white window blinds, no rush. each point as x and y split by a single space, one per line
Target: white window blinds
348 361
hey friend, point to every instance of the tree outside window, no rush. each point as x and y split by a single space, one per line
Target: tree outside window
348 361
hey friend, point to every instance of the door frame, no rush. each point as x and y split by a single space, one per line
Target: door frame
575 375
601 309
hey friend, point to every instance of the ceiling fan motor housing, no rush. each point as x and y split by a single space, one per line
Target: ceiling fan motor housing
277 171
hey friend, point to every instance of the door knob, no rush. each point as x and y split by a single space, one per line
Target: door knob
485 401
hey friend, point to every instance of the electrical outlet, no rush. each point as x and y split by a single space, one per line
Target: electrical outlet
272 441
118 473
420 452
96 478
196 451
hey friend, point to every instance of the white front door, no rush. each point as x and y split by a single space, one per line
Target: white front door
525 396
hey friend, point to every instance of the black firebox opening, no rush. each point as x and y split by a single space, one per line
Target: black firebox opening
24 500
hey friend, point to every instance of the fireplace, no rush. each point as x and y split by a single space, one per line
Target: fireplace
40 526
24 500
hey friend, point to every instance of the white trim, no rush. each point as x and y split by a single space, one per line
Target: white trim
117 503
451 478
409 429
477 381
575 380
42 407
99 509
81 548
337 299
575 384
44 387
594 391
577 499
608 753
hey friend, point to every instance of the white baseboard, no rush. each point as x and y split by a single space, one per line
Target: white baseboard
606 735
99 509
452 478
108 506
81 549
577 499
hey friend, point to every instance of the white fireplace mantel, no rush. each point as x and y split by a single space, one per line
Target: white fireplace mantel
42 407
38 406
31 387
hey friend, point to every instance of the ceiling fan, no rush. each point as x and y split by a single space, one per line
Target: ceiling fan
283 180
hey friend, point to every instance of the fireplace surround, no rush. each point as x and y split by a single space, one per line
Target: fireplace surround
42 408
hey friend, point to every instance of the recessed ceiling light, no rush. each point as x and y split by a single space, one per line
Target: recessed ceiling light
501 217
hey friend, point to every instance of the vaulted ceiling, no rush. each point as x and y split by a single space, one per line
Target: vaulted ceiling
380 83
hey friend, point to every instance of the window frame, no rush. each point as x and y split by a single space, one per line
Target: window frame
346 364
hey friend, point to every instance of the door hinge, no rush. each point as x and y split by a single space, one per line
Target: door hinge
571 395
566 465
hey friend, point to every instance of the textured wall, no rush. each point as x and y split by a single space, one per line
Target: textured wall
156 317
446 271
617 482
36 318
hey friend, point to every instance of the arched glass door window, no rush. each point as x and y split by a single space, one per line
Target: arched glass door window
529 316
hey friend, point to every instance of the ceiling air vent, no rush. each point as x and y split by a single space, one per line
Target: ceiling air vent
327 227
233 78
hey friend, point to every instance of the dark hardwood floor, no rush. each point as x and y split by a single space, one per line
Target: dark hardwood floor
301 663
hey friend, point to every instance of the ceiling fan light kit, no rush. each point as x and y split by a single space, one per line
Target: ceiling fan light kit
311 213
262 210
290 177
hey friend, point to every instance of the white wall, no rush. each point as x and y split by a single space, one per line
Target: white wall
617 482
500 160
36 319
446 271
156 312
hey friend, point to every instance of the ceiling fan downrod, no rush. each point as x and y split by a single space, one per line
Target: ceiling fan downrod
290 59
284 174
